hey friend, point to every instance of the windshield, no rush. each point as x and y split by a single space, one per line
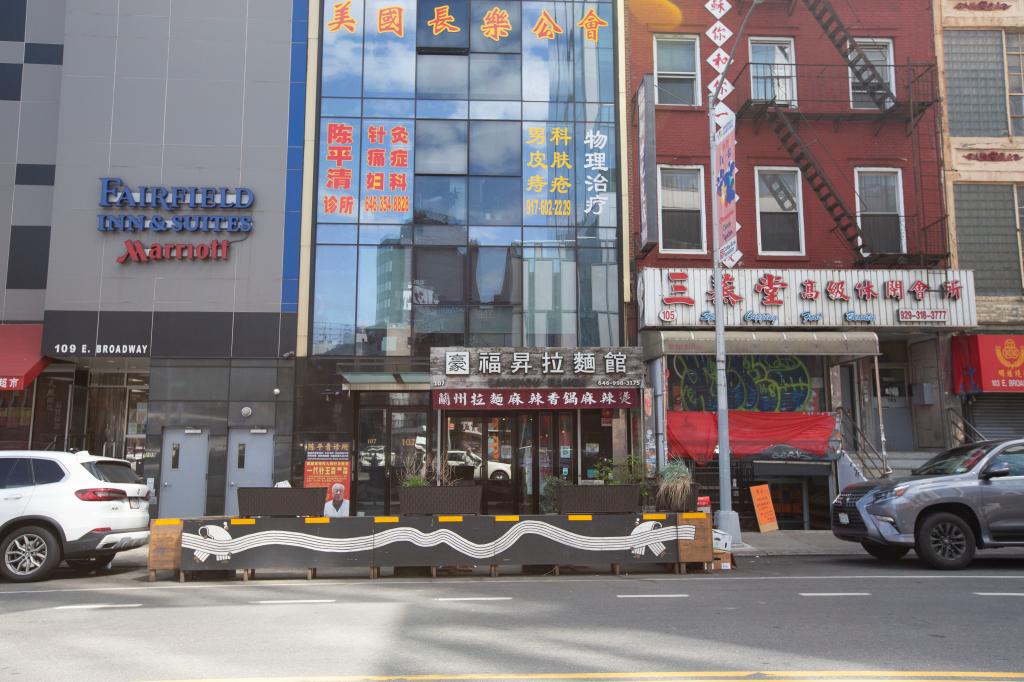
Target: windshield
112 472
956 461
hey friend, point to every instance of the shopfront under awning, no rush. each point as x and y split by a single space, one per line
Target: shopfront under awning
386 381
846 344
21 358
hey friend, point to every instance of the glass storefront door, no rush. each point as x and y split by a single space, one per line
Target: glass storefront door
511 455
392 443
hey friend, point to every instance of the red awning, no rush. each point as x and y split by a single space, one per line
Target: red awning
695 434
21 359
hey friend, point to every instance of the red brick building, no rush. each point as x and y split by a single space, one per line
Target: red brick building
838 170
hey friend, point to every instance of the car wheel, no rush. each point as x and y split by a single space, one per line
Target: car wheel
90 564
499 476
884 552
945 541
29 553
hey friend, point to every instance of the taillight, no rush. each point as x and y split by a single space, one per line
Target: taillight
101 494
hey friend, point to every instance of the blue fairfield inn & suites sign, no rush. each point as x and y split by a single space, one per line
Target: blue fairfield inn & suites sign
220 211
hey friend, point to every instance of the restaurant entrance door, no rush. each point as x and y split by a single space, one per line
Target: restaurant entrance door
391 442
511 455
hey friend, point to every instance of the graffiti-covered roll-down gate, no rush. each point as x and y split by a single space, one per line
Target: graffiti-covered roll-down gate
251 544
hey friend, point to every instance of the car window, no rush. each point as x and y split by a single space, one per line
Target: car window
1014 457
958 460
20 474
112 472
46 471
5 467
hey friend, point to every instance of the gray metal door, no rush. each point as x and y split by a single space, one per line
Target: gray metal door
250 463
183 466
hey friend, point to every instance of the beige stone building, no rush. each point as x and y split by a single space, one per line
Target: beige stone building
980 47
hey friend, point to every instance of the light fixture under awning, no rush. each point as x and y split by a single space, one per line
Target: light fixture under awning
21 359
851 344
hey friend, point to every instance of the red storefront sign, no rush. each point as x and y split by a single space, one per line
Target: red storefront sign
751 434
988 363
535 399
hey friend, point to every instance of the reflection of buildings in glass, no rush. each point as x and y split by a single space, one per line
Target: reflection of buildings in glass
331 338
389 334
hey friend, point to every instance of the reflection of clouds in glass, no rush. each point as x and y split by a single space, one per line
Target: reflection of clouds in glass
547 64
495 77
494 148
390 67
343 60
441 147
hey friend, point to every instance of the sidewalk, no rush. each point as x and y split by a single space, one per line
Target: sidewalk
795 543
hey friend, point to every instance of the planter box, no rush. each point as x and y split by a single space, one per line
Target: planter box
445 499
281 501
598 499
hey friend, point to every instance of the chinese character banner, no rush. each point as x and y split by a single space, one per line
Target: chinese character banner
588 367
539 399
810 298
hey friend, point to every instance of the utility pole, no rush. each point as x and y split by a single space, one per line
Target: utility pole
726 519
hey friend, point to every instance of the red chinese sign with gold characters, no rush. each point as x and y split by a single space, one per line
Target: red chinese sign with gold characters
988 363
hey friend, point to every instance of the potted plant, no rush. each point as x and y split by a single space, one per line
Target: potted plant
418 494
677 491
610 498
549 494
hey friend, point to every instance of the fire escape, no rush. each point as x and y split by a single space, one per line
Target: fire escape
855 90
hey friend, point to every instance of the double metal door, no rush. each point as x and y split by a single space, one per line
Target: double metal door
392 444
183 468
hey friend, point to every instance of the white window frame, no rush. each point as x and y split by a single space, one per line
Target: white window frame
679 38
800 208
899 197
890 67
766 40
703 212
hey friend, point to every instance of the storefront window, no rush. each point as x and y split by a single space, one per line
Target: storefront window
15 419
596 443
53 402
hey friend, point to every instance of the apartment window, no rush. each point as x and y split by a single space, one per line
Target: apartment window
879 52
975 83
1015 80
773 70
681 199
780 229
677 76
987 235
880 209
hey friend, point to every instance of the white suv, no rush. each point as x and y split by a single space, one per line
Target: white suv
75 507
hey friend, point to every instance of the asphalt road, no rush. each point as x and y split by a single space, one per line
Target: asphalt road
771 614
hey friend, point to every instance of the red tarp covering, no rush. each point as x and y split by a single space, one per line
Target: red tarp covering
695 434
20 358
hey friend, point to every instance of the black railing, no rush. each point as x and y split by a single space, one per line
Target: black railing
831 89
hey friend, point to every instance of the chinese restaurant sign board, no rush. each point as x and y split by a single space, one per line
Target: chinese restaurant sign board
809 298
988 363
537 368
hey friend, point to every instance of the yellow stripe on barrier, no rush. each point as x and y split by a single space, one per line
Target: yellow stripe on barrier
317 519
243 522
506 519
385 519
449 519
695 515
166 522
654 517
581 517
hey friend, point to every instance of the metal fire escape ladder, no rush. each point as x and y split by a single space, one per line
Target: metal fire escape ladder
845 220
860 66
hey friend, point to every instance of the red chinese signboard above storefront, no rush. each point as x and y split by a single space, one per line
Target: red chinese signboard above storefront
540 399
988 363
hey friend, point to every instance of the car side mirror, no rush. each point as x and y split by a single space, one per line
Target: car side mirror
996 471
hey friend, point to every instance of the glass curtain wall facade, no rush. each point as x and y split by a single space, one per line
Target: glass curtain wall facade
467 177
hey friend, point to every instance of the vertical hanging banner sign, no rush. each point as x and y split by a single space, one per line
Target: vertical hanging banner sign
725 194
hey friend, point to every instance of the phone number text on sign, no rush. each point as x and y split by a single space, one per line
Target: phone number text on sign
923 315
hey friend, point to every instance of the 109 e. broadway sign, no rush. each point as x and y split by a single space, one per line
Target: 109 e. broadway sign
535 378
189 210
809 298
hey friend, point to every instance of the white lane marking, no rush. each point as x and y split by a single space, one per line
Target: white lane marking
472 598
835 594
295 601
391 582
1000 594
85 607
651 596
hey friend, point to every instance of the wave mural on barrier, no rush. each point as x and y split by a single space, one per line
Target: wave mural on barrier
647 536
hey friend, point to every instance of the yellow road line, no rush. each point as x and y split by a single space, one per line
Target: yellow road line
715 676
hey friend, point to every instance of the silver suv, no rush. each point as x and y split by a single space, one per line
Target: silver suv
967 498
